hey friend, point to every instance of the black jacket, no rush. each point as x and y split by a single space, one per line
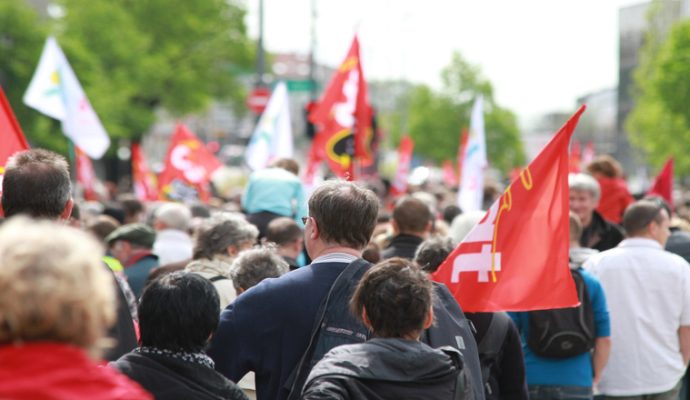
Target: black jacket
402 245
169 378
383 369
122 332
601 234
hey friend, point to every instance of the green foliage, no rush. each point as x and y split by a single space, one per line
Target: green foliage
436 118
132 57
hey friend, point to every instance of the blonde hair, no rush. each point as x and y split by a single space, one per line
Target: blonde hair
53 286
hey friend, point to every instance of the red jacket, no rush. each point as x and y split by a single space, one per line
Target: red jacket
54 371
615 197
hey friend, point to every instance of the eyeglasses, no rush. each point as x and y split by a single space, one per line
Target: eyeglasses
304 220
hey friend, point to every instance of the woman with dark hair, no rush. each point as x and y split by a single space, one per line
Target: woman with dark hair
178 313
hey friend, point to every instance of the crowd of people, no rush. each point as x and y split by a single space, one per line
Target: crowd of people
281 295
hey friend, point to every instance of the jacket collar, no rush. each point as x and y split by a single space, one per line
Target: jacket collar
640 242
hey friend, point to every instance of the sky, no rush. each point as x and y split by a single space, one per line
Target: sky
540 55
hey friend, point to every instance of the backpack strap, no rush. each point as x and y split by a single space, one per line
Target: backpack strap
297 377
217 278
491 345
461 384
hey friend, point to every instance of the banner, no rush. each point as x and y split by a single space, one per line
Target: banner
188 168
11 134
86 176
55 91
471 191
663 184
143 180
399 184
516 258
343 117
272 137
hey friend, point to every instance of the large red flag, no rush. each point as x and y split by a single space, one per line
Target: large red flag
343 117
188 168
663 184
516 258
86 176
143 180
10 133
399 184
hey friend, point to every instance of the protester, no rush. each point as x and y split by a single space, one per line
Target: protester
597 232
615 196
647 292
219 240
57 301
575 376
500 352
178 314
268 328
289 238
133 209
412 221
394 300
37 183
172 222
132 244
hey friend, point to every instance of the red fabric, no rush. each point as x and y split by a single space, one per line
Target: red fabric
188 168
52 371
12 137
399 184
663 184
516 258
343 111
575 157
86 176
143 180
449 177
588 153
615 198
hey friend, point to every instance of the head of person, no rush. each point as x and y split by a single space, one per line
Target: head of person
605 166
254 265
53 287
133 209
411 216
584 196
287 164
394 299
178 312
450 212
223 235
287 235
432 252
341 214
649 219
102 226
130 240
575 230
174 216
36 183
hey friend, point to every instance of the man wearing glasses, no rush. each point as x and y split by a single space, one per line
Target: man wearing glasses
648 294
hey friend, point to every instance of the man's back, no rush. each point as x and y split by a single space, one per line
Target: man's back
648 295
267 329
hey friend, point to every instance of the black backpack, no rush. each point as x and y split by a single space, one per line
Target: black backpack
563 332
491 351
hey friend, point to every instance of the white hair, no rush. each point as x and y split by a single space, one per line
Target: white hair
174 216
584 183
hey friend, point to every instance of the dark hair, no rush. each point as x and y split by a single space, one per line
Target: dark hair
37 183
372 253
282 231
219 232
450 212
200 211
254 265
432 252
411 215
130 205
397 297
605 165
344 212
178 312
640 214
102 226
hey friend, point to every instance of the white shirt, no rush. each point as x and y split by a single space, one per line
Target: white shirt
172 245
648 294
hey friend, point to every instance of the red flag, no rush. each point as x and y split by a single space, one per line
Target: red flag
449 177
663 184
399 184
188 168
588 153
575 158
11 133
344 117
462 149
144 182
516 258
86 176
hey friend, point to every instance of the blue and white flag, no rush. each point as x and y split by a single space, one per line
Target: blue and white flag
272 137
471 191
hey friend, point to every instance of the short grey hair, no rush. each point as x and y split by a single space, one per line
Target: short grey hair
221 231
174 216
584 183
254 265
432 252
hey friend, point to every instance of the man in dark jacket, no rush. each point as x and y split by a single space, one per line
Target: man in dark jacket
177 315
598 233
412 221
394 300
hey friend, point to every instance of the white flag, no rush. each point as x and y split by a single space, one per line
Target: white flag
272 137
471 192
55 91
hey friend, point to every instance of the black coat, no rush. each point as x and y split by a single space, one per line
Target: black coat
601 234
169 378
383 369
402 245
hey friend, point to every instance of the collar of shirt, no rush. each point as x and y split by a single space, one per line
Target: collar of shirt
640 242
334 258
